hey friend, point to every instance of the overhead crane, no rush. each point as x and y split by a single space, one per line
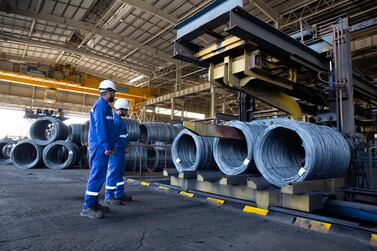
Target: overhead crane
85 85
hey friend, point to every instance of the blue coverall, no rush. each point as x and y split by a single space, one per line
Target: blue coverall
115 172
100 139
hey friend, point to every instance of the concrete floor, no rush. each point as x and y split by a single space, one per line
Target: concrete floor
39 210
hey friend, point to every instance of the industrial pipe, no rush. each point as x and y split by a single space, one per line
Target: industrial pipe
236 156
191 152
292 151
26 154
46 130
61 155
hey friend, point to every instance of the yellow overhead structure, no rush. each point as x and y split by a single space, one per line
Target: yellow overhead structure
87 85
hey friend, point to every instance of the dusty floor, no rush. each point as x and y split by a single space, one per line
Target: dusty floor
39 210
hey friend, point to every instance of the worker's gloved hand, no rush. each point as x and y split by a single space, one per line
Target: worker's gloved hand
127 150
108 152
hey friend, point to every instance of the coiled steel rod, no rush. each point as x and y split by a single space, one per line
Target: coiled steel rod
292 151
236 156
191 152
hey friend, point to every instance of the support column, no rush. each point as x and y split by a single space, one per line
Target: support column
183 110
144 113
223 107
213 105
172 108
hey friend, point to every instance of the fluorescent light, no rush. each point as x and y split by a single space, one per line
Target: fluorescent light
136 79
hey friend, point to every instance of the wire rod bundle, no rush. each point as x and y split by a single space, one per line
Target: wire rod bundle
236 156
191 152
74 134
292 151
133 129
47 130
84 133
26 154
61 155
136 157
151 132
159 157
6 146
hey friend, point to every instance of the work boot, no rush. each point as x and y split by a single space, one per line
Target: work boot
113 201
103 209
91 213
125 198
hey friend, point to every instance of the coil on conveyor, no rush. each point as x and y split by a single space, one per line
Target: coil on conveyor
27 154
159 157
6 146
292 151
136 157
84 133
151 132
133 129
74 134
191 152
61 155
236 156
46 130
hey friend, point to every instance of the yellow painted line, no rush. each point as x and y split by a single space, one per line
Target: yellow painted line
373 240
189 195
255 210
214 200
312 224
143 183
163 188
131 180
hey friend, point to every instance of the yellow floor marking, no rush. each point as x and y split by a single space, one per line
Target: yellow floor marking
312 224
255 210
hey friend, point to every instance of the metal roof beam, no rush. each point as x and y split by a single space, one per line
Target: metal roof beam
84 26
75 50
266 9
152 10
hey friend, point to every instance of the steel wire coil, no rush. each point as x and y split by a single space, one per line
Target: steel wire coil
191 152
133 129
74 134
61 155
46 130
84 133
236 156
292 151
136 157
159 157
27 154
6 146
151 132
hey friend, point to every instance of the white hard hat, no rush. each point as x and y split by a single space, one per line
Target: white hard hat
105 84
121 103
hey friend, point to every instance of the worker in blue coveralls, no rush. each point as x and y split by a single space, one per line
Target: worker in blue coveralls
114 194
101 146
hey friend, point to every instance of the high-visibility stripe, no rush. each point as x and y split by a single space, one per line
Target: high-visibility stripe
91 193
123 136
111 188
120 183
109 117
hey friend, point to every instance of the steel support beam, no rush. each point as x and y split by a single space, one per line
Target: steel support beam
180 93
152 10
267 10
74 50
84 26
